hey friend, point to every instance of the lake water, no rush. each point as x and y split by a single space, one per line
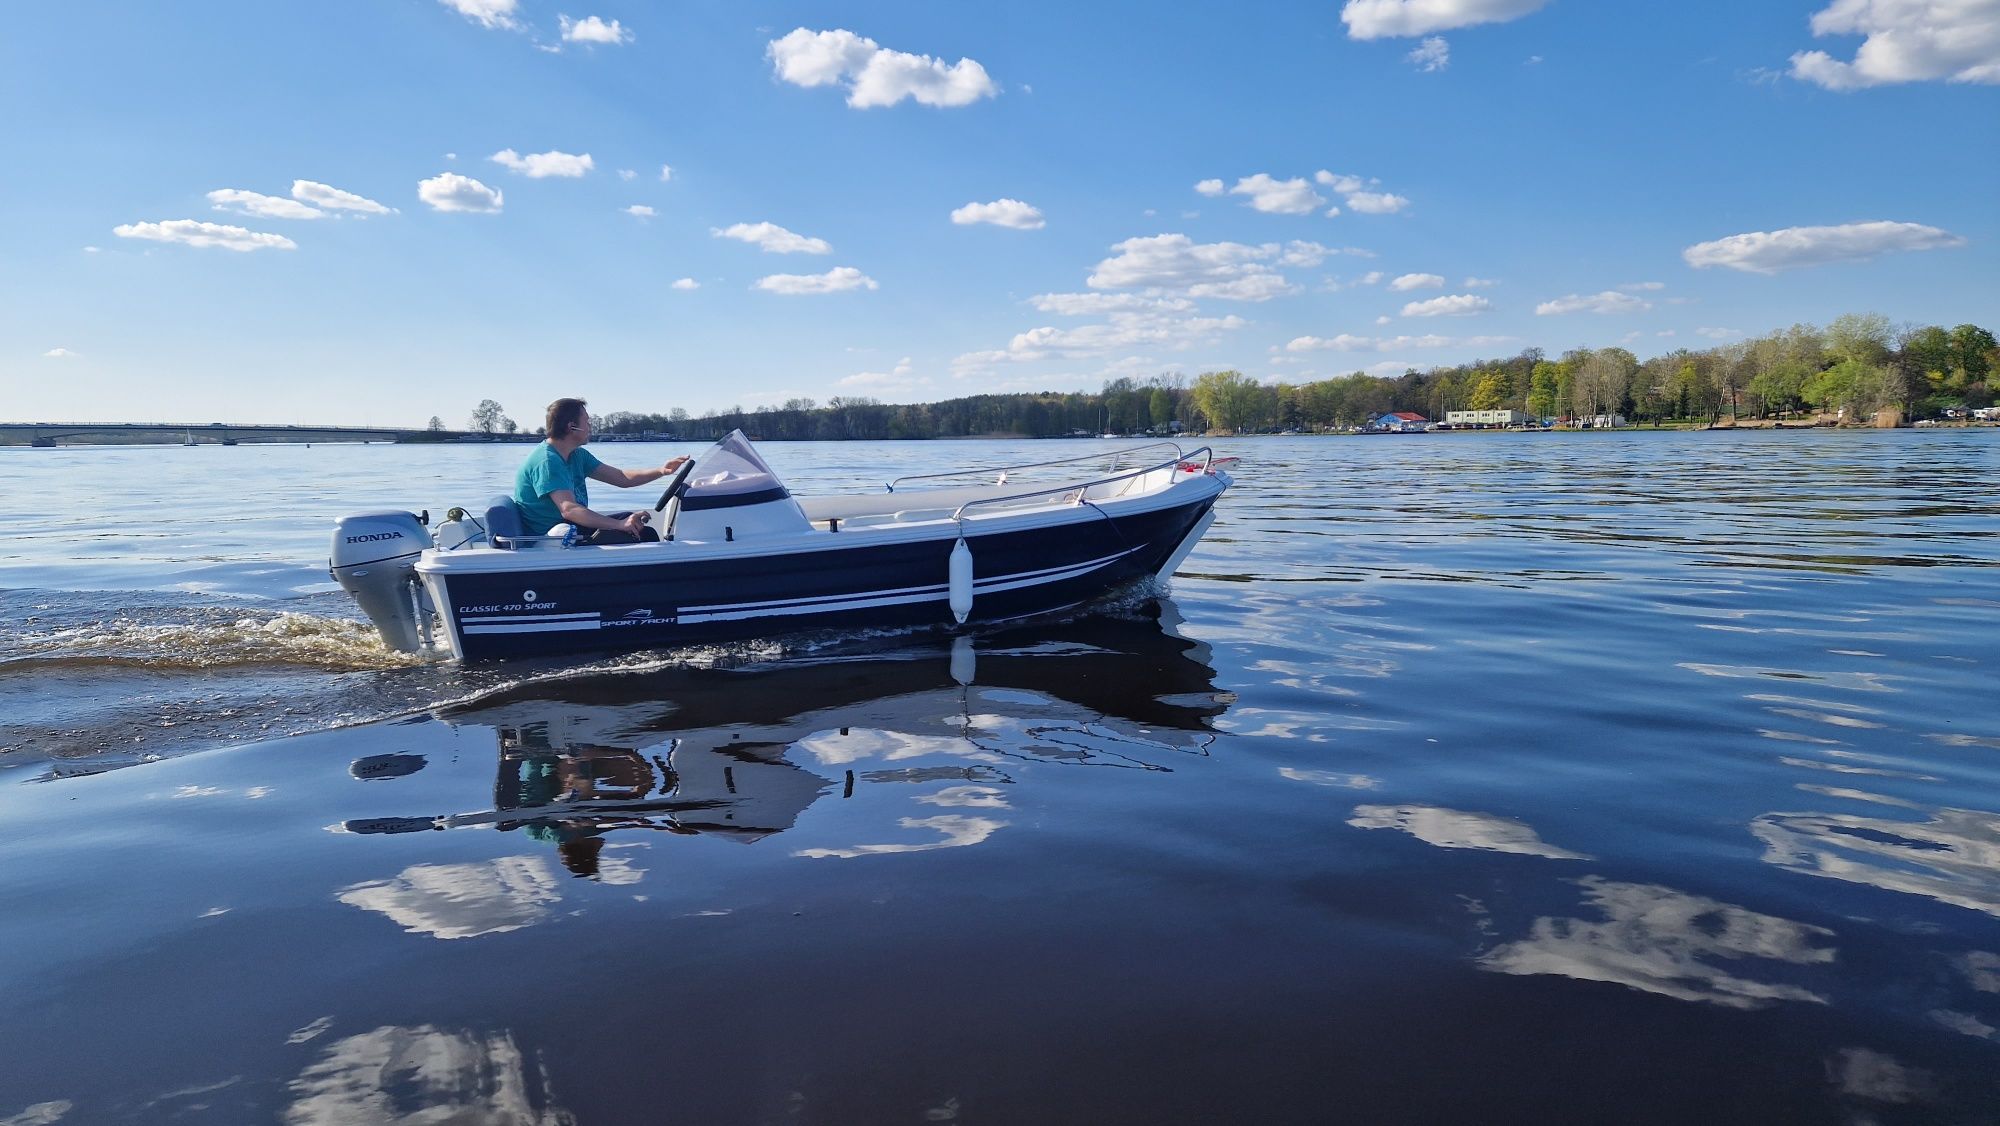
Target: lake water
1499 778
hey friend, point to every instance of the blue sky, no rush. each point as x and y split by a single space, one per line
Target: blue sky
915 201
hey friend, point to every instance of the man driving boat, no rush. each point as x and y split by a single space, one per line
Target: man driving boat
553 485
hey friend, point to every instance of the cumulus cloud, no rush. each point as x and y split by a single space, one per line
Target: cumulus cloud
1610 301
837 280
1122 330
1001 213
489 14
59 354
685 283
1906 41
1478 283
1767 252
666 172
1376 203
262 206
540 165
1432 54
773 239
591 29
1209 187
875 75
193 232
1347 342
330 198
1457 305
1390 19
1178 264
901 378
1098 304
449 191
1417 281
640 210
627 175
1278 197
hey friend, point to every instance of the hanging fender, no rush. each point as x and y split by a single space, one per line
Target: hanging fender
960 580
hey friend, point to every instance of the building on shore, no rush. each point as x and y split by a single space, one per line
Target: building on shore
1399 422
1481 420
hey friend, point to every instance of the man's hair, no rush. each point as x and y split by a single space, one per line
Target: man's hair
564 415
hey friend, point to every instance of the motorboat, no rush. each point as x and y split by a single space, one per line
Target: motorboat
740 556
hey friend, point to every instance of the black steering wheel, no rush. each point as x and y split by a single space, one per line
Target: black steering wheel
677 486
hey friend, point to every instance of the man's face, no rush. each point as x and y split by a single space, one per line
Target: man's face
582 431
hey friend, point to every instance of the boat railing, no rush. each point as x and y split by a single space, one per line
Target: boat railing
1116 457
1082 488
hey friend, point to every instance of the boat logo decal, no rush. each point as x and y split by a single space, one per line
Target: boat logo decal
374 537
640 614
527 596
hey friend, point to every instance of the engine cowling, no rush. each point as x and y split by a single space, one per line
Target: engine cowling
374 558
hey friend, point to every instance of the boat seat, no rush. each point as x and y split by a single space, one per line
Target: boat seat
503 523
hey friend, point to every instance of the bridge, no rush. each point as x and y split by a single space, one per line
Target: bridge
209 433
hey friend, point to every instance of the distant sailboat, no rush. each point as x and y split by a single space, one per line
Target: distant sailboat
187 439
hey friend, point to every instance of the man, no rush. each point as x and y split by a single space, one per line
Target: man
553 486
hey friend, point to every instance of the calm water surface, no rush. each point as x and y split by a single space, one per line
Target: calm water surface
1503 778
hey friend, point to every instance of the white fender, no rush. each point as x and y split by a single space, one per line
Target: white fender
961 581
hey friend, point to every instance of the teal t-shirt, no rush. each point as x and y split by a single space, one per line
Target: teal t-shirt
546 472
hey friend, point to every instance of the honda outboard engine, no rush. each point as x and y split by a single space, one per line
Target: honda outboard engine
375 560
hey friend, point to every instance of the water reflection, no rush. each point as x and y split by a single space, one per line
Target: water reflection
1659 940
462 900
406 1076
743 753
1952 858
1456 828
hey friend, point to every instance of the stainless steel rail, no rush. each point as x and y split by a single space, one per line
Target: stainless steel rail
1078 486
1116 455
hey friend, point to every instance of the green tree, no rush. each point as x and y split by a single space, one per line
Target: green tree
1229 400
1488 393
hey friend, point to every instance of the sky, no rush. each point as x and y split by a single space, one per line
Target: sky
380 211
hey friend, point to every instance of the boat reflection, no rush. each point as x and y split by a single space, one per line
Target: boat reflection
741 753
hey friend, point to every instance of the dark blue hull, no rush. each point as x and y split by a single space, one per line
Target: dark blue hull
529 611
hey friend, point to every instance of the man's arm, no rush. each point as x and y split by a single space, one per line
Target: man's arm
624 479
565 502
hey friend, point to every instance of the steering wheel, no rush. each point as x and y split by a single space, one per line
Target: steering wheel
677 486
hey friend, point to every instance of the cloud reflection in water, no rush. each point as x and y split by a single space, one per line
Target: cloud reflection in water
418 1076
462 900
1455 828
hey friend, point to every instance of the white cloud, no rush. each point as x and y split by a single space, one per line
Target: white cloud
1432 54
1643 287
901 378
1417 281
1098 304
333 199
666 172
1305 255
59 354
686 283
1610 301
1121 331
262 206
1278 197
1178 264
627 175
1385 319
489 14
1376 203
90 250
1719 333
836 280
591 29
1372 277
1457 305
641 211
540 165
1381 19
1478 283
1209 187
1340 182
194 232
1906 41
1767 252
449 191
1347 342
876 76
1001 213
773 239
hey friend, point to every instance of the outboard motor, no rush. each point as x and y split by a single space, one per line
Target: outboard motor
375 560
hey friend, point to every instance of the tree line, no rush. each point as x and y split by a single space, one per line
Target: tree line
1855 367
